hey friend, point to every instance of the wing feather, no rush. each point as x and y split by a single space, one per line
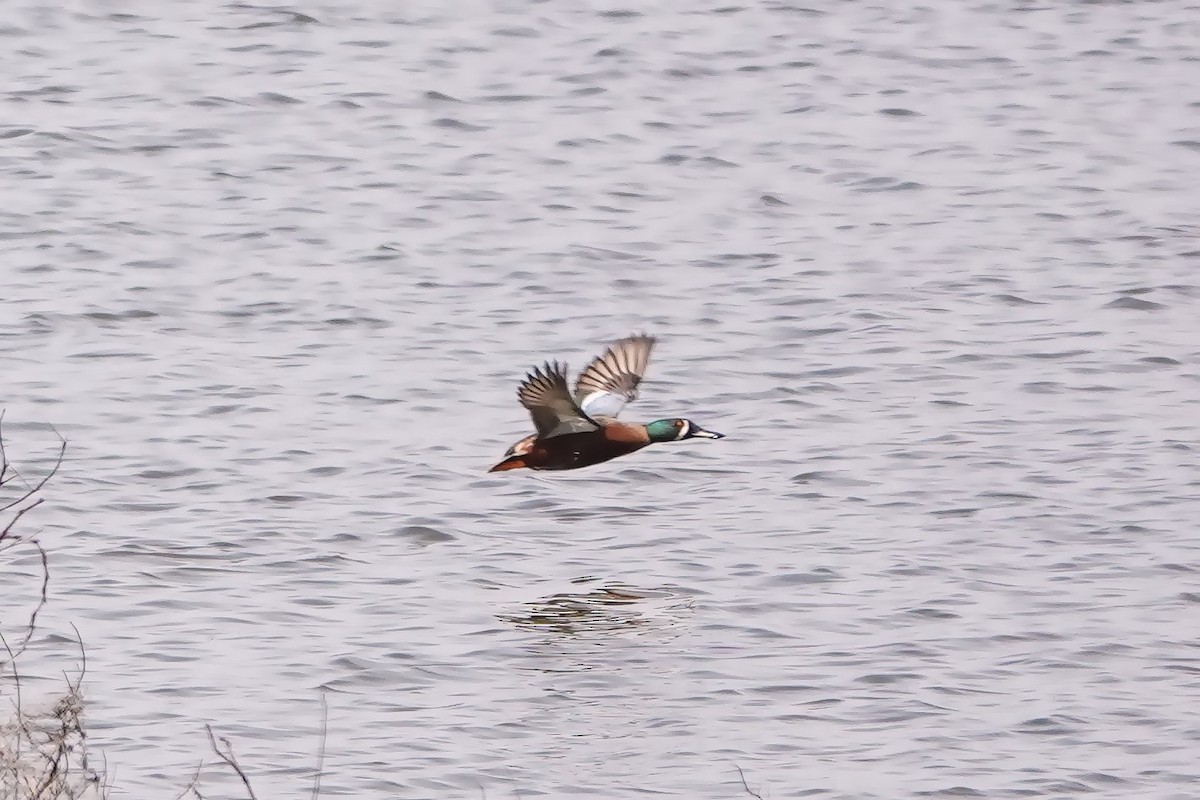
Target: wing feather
611 380
544 392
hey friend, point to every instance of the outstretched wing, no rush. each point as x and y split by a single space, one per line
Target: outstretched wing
612 379
544 392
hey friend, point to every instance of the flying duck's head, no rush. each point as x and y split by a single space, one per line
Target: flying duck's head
675 430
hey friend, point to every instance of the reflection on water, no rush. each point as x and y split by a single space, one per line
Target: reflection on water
611 608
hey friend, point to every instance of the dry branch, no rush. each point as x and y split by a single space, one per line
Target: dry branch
43 749
316 792
8 472
229 758
745 785
10 538
224 751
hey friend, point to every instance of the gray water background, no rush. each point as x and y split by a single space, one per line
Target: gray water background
275 273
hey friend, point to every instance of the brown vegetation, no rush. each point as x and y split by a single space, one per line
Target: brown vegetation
43 744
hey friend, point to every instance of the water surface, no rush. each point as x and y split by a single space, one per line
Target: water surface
275 274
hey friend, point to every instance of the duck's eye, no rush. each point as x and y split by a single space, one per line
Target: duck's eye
678 423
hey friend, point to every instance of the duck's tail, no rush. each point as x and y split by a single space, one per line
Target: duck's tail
512 462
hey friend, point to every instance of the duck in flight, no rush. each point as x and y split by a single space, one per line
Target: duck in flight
580 430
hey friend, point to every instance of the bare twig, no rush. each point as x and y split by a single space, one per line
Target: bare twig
32 490
229 758
745 785
16 517
193 785
43 752
3 455
31 626
316 792
13 539
12 663
77 693
107 778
